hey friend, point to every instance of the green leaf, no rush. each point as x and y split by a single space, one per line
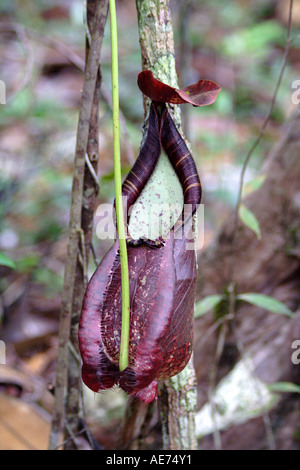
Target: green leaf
249 219
28 263
266 302
207 304
254 184
284 387
6 261
254 40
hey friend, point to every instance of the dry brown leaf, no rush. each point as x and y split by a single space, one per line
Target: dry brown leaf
12 376
22 426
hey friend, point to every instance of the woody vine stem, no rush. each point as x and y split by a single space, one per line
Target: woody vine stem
123 360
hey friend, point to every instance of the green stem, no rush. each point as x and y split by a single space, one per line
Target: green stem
123 360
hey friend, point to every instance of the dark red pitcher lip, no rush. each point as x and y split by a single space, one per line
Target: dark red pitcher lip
201 93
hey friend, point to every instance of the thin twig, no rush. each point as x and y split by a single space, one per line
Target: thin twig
265 415
73 406
257 141
218 353
231 288
78 62
71 438
92 171
22 35
86 23
74 353
96 260
214 327
106 95
241 349
48 41
84 258
90 78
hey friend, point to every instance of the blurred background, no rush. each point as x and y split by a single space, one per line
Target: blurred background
239 44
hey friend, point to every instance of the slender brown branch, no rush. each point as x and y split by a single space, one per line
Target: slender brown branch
241 349
23 37
90 191
71 268
132 424
96 260
74 59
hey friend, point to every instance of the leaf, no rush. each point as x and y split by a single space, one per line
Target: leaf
207 304
266 302
249 219
202 93
23 426
28 263
254 184
254 40
284 387
6 261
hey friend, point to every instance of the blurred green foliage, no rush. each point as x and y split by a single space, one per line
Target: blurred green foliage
236 43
